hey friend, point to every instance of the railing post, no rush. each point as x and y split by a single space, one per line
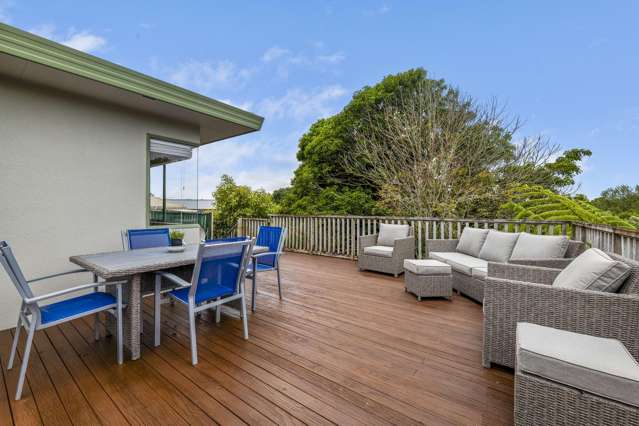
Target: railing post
616 243
239 227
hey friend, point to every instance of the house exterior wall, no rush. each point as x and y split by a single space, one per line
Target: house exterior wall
73 174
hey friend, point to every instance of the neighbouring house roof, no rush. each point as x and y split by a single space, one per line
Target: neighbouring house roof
35 59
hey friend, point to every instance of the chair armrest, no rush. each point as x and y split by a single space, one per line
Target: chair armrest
522 273
174 278
611 315
366 241
269 253
62 292
46 277
404 248
441 245
547 263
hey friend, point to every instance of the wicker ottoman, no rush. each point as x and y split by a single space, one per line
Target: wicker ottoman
428 278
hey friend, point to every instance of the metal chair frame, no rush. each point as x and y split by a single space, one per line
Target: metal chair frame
252 273
30 316
205 250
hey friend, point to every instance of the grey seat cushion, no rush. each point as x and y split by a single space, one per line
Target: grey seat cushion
498 246
471 241
593 270
383 251
531 246
603 367
460 262
427 267
388 233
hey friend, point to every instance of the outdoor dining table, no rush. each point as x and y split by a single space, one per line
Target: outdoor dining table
132 265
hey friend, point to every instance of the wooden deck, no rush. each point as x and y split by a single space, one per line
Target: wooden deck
343 347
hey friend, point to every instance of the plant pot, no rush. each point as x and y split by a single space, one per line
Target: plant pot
176 243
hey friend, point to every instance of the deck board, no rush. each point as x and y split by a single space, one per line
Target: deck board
343 347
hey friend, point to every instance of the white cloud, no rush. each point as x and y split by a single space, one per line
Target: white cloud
333 58
299 105
206 76
317 57
267 179
381 10
246 105
81 40
274 53
85 41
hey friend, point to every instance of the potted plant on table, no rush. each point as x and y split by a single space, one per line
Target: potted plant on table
177 238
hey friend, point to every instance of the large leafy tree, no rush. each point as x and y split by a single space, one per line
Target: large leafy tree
321 184
232 201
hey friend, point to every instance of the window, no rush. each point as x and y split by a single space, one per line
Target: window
173 185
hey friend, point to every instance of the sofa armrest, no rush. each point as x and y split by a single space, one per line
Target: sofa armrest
366 241
547 263
404 248
523 273
507 302
441 245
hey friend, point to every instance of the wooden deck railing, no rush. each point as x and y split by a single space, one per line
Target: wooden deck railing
338 236
607 238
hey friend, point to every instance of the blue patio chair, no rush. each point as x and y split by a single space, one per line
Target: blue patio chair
272 237
133 239
218 278
35 316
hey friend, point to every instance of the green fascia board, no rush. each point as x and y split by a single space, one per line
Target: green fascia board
22 44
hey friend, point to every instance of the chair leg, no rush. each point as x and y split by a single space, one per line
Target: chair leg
192 334
244 316
25 361
157 312
96 327
218 312
279 281
254 291
119 327
14 345
96 318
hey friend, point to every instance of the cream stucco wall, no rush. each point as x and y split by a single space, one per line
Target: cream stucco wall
72 176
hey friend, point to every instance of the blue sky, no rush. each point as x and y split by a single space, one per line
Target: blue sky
568 69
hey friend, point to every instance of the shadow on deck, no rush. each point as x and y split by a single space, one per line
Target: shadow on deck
343 347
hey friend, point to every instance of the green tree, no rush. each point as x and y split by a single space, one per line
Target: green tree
621 200
321 185
232 201
535 202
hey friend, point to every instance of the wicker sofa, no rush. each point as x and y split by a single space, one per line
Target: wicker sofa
391 262
472 285
523 293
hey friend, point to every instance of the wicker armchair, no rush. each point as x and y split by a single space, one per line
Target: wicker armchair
520 293
404 248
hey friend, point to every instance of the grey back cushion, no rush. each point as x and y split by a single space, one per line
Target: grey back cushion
531 246
471 241
388 233
498 246
593 270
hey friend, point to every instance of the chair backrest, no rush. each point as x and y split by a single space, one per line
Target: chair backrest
575 248
221 264
631 284
225 240
13 270
272 237
146 238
